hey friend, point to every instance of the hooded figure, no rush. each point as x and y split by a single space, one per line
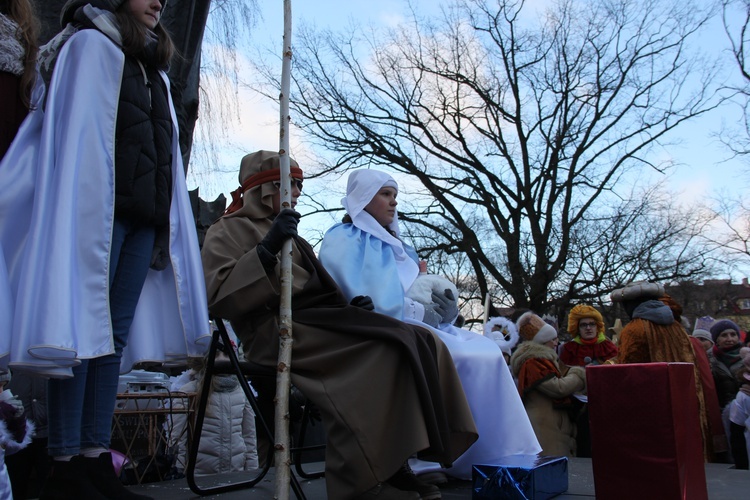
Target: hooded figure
653 335
385 390
366 256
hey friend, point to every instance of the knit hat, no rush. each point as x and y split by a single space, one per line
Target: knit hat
584 311
703 334
532 327
721 325
637 290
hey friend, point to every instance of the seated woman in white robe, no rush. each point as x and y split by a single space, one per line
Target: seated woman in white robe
366 257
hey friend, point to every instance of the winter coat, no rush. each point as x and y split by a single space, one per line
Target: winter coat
726 380
546 392
228 441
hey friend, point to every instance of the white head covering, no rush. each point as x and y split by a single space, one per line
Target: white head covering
361 188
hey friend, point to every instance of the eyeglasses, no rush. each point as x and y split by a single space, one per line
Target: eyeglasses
295 182
587 325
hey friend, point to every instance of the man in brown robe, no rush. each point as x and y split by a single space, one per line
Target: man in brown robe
385 390
654 336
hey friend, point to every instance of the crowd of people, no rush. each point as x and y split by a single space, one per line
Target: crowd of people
98 251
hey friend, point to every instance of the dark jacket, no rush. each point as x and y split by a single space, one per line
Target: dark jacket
726 380
143 176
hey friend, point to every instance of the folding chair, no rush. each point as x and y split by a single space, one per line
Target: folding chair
242 370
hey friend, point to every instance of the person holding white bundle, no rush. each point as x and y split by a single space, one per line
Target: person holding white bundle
365 256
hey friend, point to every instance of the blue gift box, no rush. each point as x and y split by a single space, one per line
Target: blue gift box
520 477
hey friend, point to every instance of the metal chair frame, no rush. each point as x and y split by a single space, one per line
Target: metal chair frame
243 370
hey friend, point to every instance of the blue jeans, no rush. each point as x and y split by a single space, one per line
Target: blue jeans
80 408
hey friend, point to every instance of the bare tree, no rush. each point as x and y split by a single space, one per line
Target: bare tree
736 20
187 21
730 233
526 137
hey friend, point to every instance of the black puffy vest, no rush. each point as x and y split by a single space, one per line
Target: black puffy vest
143 148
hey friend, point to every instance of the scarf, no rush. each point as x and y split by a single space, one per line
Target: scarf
224 383
728 356
84 17
89 17
12 48
535 371
596 340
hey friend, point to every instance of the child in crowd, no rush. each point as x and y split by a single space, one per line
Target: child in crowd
228 442
15 432
739 415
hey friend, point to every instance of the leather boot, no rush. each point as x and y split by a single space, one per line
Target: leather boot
405 480
101 472
69 481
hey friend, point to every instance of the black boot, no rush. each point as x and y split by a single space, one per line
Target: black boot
69 481
405 480
101 472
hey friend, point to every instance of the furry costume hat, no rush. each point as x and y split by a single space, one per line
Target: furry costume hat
584 311
721 325
637 290
503 332
532 327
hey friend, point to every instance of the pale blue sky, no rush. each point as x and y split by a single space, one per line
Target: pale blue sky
703 171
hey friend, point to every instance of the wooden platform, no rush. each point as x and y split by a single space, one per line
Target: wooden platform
723 484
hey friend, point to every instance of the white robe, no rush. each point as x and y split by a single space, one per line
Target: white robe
56 228
503 425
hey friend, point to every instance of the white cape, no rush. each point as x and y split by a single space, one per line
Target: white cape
56 227
501 419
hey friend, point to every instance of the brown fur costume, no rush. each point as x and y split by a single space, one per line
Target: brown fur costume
643 341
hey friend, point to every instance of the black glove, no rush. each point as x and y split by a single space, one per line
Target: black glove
445 305
363 302
313 414
284 227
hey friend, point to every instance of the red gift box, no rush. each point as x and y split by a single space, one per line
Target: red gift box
645 432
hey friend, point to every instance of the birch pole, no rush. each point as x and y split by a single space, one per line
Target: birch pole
486 315
283 375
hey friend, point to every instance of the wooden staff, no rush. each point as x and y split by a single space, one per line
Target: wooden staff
283 375
487 303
